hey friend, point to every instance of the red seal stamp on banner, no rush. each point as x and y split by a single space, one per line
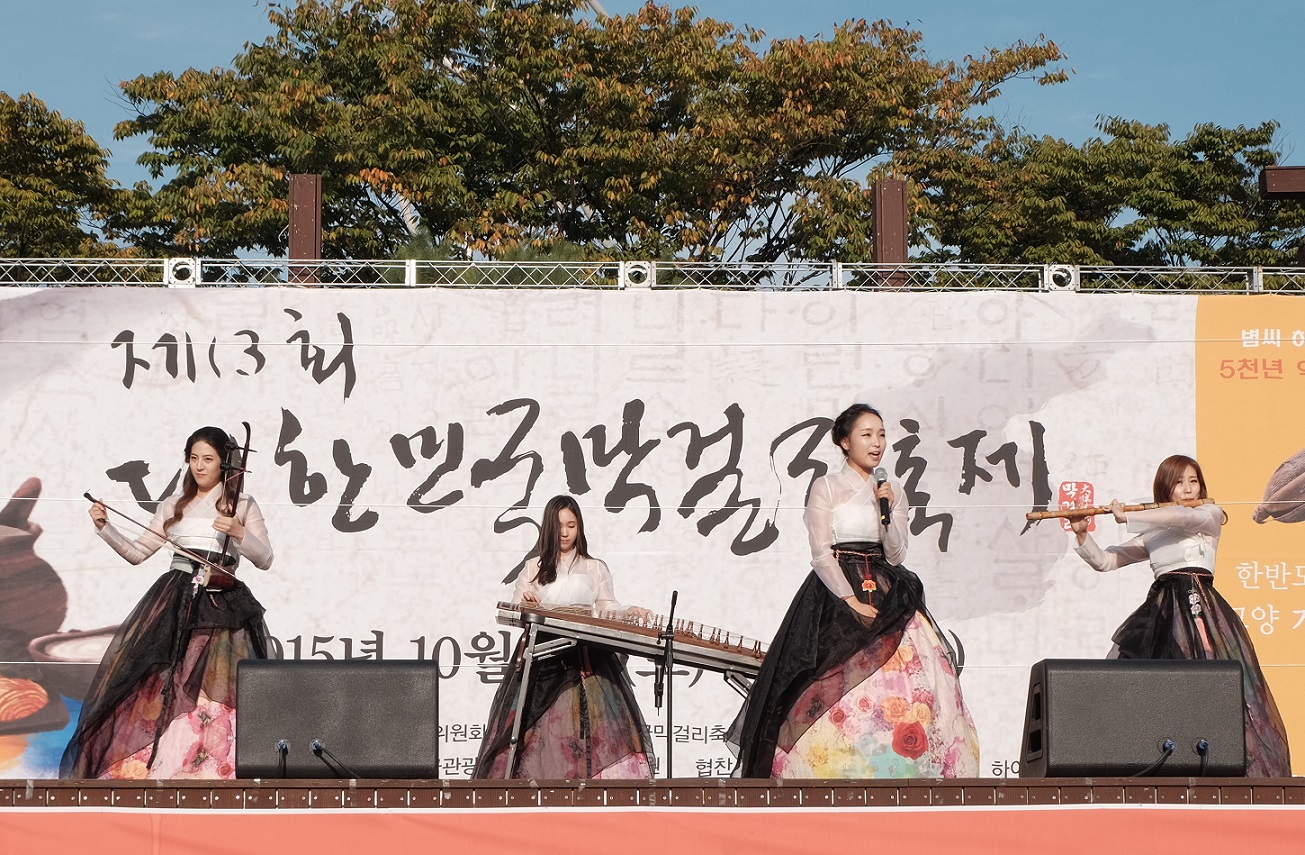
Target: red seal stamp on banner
1077 494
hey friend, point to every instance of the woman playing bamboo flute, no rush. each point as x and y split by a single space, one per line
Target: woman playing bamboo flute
1183 616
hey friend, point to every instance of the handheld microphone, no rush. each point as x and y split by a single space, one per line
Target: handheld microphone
885 512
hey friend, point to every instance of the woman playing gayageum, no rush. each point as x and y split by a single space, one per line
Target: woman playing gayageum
581 719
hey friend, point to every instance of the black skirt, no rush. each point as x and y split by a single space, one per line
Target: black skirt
818 635
581 719
170 624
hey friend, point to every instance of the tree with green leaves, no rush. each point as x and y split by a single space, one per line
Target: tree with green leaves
504 124
1200 199
55 199
1132 196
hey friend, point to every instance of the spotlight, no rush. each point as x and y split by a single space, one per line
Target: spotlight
1060 277
182 272
637 274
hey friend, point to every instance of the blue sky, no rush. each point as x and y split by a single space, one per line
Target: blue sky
1179 62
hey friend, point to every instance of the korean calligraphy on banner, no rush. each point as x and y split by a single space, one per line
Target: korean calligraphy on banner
405 441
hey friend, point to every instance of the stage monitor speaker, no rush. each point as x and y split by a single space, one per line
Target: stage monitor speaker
1114 717
337 719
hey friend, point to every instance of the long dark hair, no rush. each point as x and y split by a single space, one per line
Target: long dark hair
842 428
224 446
1170 472
550 537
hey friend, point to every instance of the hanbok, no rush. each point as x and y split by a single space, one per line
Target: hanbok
1184 617
581 719
843 696
163 702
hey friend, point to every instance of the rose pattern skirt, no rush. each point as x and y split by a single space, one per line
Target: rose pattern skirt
840 695
906 720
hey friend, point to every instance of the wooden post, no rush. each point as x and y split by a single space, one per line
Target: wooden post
1285 182
305 225
1282 182
890 229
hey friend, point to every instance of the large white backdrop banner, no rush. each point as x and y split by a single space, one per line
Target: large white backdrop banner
406 441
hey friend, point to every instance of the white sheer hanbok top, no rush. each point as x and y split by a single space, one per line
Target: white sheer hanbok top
195 531
1171 538
842 508
580 582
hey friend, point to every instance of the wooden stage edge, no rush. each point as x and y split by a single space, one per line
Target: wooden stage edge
712 793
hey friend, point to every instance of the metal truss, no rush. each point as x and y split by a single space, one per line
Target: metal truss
745 276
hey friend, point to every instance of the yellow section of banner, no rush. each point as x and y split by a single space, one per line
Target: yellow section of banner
1250 411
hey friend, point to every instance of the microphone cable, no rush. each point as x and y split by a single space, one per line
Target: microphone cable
1166 751
318 747
1203 749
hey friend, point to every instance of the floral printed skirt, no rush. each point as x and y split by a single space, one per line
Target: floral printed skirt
163 702
581 721
1184 617
843 696
906 720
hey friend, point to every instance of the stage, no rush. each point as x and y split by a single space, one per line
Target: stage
1067 816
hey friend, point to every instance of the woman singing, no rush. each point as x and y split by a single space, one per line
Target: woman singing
858 682
581 719
1183 616
162 704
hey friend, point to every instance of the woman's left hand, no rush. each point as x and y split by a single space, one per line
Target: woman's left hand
230 526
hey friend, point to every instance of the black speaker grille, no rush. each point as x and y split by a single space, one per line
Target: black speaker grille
1095 717
375 719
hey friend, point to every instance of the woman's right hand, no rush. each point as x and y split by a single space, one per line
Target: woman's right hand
864 609
99 515
529 597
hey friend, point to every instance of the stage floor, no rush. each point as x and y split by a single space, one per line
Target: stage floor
310 817
680 792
